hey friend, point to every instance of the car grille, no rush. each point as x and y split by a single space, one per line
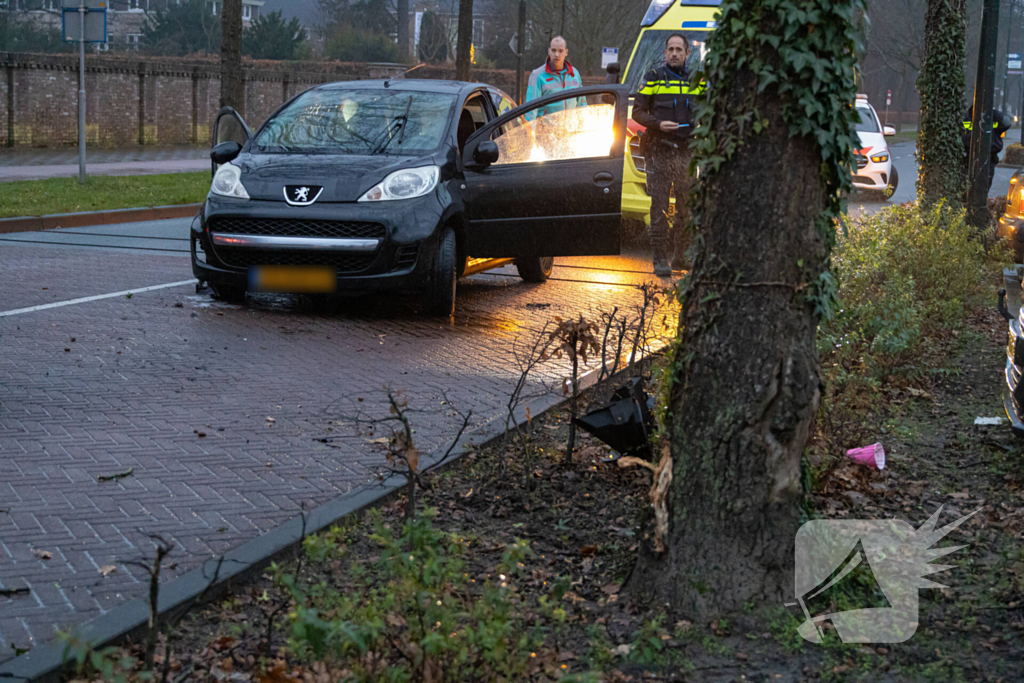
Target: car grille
862 160
295 227
863 180
634 151
243 257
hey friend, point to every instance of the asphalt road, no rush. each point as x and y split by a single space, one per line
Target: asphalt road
906 164
231 418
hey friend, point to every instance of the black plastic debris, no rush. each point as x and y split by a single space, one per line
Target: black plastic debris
626 423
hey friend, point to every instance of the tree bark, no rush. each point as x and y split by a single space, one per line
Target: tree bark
940 150
745 375
463 59
232 80
402 15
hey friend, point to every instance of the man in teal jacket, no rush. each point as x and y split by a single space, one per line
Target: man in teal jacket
555 76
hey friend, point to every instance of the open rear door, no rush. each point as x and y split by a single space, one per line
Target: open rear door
545 179
229 127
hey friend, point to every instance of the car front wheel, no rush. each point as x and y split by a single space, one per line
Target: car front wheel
894 182
535 268
440 299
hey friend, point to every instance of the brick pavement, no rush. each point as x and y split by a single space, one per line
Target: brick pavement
143 376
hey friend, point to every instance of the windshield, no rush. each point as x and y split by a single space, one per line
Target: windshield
650 53
358 121
867 122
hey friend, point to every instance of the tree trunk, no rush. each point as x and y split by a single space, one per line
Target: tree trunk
745 381
232 81
940 150
402 15
463 60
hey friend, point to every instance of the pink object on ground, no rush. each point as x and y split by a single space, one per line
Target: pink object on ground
872 456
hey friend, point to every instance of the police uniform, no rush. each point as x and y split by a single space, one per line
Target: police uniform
1000 124
666 95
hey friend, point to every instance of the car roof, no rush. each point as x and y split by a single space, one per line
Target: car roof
407 84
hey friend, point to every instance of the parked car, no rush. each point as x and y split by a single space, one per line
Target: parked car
1011 223
409 184
875 170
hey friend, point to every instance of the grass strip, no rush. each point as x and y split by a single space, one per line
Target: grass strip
101 193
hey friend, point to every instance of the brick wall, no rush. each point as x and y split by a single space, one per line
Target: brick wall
135 100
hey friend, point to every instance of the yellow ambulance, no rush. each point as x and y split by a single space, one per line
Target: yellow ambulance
695 19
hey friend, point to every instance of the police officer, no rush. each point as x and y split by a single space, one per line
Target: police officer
664 107
1000 124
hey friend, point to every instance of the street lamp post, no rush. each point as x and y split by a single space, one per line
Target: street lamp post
981 132
81 92
520 49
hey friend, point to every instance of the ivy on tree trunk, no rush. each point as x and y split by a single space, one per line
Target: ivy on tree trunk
774 147
232 82
940 150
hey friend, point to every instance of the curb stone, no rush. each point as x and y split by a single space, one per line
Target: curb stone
91 218
45 664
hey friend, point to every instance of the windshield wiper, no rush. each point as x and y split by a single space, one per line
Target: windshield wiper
403 121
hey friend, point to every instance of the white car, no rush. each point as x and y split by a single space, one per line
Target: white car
875 170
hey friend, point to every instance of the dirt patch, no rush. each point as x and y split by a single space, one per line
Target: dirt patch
580 520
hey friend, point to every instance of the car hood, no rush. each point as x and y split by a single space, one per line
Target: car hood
875 142
343 177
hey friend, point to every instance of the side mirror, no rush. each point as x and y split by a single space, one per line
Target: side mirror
225 152
486 153
889 131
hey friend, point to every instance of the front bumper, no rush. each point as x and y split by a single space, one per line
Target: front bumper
874 176
386 245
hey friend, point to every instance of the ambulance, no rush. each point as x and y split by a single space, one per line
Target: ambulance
694 19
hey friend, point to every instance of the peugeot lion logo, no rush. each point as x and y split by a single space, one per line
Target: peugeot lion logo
301 195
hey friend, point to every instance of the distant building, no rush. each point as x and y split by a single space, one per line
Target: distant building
125 18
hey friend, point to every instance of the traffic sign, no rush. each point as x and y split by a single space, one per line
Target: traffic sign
888 99
514 43
609 55
1013 61
95 16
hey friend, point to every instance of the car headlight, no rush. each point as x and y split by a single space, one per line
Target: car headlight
404 184
228 182
880 158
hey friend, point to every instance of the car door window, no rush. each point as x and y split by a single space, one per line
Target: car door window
580 127
502 103
472 118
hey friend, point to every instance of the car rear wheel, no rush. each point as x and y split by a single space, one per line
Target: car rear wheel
894 182
231 294
440 299
535 268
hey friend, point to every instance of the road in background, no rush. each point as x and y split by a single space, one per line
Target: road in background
38 164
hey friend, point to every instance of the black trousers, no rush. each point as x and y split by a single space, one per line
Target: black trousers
668 169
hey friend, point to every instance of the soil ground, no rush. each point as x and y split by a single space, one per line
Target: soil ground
580 521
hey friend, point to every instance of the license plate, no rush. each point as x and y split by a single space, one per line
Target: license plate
293 279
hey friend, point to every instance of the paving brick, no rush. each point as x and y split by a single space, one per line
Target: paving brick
68 418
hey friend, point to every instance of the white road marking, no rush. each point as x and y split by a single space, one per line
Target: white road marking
84 300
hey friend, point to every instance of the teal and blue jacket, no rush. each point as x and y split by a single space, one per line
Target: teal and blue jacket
546 81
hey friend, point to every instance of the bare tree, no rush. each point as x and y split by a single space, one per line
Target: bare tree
232 81
463 59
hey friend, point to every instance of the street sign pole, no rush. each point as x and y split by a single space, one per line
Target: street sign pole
81 93
520 50
981 131
888 101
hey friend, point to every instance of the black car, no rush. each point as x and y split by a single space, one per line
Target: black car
410 184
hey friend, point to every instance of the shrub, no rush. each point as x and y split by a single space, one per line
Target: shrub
1014 155
904 275
415 613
